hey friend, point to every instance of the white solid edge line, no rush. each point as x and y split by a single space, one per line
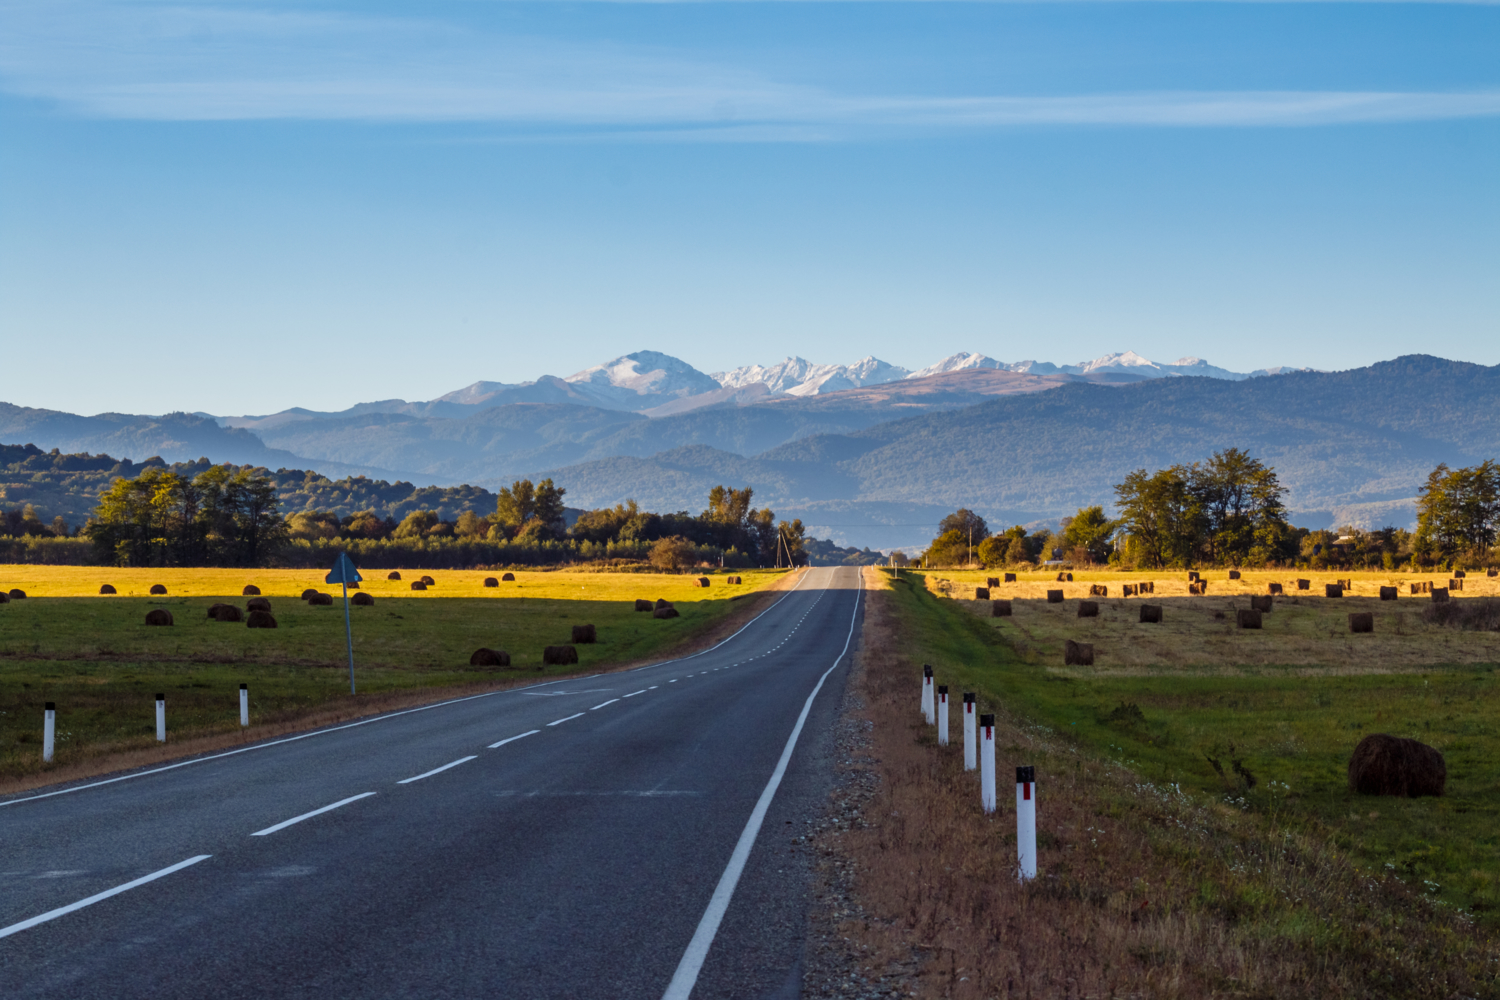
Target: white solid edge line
436 770
570 718
382 717
603 703
63 910
681 986
512 739
309 815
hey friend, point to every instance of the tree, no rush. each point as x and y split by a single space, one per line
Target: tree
1241 501
606 523
522 502
471 525
313 524
1459 509
1161 514
793 536
994 551
671 554
1089 530
416 524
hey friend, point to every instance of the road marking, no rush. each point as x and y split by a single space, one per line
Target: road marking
512 739
568 719
686 976
634 693
316 812
436 770
603 703
672 681
64 910
651 688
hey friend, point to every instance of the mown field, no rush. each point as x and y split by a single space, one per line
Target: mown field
1264 720
94 656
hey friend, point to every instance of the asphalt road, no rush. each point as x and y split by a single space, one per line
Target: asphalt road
576 845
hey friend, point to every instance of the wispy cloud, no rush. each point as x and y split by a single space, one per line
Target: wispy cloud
202 63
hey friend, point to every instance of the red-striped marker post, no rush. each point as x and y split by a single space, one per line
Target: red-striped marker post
971 752
987 761
942 715
928 708
1026 821
49 730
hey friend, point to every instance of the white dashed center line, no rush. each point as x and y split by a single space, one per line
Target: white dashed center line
634 693
603 703
568 719
512 739
436 770
309 815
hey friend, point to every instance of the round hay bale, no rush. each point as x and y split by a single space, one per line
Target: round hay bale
1234 574
4 597
1010 578
485 657
1129 590
981 593
418 585
490 581
1098 590
559 656
1000 609
1247 618
1492 572
106 589
1388 593
585 634
393 575
159 616
666 612
1054 597
354 585
1078 654
663 603
251 590
1439 595
362 600
1262 603
1391 765
1459 574
213 610
228 613
702 581
1088 609
158 590
507 577
320 600
1198 587
309 594
257 604
1192 576
1274 588
992 581
1333 590
1151 614
260 619
642 604
429 581
1363 621
1304 584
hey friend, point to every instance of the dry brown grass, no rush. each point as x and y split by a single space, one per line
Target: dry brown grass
1142 891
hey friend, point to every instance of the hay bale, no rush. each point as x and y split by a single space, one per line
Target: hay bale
559 656
1304 584
1262 603
666 612
1455 585
1151 614
429 581
490 581
251 590
418 585
1192 576
213 609
1492 572
106 589
1234 574
228 613
320 600
257 604
354 585
260 619
17 594
663 603
4 597
1247 618
643 605
1274 588
585 634
1198 587
1362 621
1078 654
158 590
1459 574
702 581
1000 609
1088 609
1098 590
309 594
1439 595
1387 593
159 616
1332 590
992 581
393 575
981 593
1416 589
486 657
1128 590
1390 765
507 578
362 601
1011 577
1054 597
1148 587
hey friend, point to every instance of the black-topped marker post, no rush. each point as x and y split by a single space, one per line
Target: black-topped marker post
244 704
987 762
161 718
1026 821
344 572
942 707
49 730
928 708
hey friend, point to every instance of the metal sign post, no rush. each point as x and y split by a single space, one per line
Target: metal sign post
344 572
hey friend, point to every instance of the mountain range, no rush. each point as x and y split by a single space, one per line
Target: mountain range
869 453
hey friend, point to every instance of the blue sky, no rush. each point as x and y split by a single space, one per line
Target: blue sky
238 207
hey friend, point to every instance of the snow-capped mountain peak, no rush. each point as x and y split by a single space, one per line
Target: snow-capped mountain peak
957 362
800 377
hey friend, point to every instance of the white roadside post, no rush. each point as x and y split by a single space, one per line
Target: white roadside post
161 718
987 761
943 715
1026 821
971 752
49 730
244 704
927 705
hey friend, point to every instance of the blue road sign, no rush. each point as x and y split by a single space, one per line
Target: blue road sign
343 571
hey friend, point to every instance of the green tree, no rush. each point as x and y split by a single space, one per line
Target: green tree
1161 515
1242 504
416 524
671 554
522 502
1089 530
1459 509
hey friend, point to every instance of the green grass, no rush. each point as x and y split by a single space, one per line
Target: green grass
1290 727
102 665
